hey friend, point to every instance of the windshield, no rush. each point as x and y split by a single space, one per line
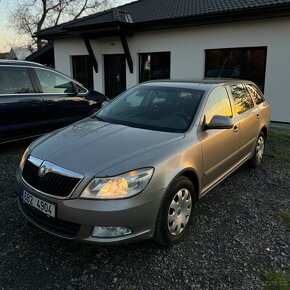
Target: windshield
155 108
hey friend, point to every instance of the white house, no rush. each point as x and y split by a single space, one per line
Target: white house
180 39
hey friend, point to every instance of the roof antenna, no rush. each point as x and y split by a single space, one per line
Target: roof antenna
221 71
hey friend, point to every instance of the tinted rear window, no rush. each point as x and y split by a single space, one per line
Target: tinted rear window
15 80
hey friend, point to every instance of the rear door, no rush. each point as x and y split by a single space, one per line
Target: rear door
20 105
220 146
62 105
249 118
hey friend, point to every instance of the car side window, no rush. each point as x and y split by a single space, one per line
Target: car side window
54 83
218 103
256 95
243 101
15 80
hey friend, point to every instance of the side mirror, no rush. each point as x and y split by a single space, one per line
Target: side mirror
76 88
104 104
219 122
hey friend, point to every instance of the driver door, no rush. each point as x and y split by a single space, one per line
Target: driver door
220 146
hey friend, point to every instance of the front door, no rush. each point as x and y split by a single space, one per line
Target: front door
61 104
220 146
115 74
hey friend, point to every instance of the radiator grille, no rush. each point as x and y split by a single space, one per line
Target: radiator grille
52 183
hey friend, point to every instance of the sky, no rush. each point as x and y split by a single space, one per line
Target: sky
8 37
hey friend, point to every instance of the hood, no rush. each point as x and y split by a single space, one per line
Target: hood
92 146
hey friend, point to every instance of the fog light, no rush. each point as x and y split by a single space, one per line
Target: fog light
110 232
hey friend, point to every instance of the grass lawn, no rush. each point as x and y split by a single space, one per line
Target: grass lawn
286 218
279 145
276 281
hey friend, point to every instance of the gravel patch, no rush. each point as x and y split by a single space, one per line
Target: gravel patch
235 235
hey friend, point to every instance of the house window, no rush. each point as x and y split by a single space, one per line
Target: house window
83 70
154 66
242 63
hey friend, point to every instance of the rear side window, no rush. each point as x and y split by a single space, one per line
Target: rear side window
256 95
218 104
53 83
243 100
15 80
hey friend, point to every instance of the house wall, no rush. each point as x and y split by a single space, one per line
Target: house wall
187 47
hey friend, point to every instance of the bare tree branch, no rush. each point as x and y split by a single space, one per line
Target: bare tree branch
30 16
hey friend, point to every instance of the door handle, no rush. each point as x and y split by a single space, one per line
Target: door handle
258 117
236 129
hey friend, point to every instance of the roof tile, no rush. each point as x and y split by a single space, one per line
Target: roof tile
143 11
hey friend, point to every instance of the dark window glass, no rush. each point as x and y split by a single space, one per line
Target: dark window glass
156 108
15 80
154 66
83 70
218 103
54 83
256 95
243 100
241 63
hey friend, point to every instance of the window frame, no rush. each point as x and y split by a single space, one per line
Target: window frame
73 57
141 54
258 91
207 100
264 48
31 78
233 98
60 74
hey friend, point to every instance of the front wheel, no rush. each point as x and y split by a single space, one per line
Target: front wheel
175 212
259 151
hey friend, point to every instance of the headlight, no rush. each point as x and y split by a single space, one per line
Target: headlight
122 186
24 157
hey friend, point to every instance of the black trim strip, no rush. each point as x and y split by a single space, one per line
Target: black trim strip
127 51
91 54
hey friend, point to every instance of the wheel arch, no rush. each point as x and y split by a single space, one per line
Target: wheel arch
192 175
265 131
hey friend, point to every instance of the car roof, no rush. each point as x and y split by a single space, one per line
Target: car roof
201 84
19 62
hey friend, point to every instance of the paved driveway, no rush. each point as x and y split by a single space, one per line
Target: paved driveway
235 235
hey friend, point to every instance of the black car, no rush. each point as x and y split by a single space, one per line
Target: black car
35 99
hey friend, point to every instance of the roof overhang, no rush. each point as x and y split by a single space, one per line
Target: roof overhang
113 28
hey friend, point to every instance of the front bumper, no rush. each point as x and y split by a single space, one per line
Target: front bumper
75 218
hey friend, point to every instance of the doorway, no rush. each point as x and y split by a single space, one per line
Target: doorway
115 74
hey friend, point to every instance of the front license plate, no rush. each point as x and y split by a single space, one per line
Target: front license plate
43 206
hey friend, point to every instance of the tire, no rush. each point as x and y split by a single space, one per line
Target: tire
175 212
257 158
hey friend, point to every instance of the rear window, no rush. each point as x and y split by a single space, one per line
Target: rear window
256 94
15 80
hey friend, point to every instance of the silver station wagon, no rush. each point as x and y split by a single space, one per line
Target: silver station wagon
135 169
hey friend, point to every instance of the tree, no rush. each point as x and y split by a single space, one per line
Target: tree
30 16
